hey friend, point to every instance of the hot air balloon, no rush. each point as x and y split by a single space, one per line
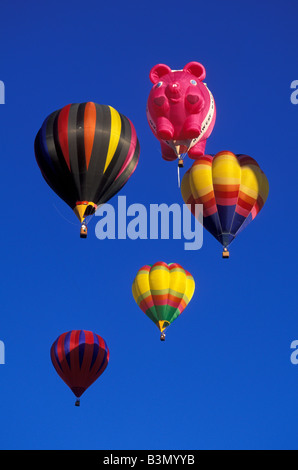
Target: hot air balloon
162 291
79 357
232 189
86 153
181 110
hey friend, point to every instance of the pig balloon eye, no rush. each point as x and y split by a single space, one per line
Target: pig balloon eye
193 82
158 84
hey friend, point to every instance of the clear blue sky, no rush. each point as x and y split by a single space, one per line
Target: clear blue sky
223 379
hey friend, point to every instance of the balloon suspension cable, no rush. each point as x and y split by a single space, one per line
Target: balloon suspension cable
180 165
61 215
84 224
90 217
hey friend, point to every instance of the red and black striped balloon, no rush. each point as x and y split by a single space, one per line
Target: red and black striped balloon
79 357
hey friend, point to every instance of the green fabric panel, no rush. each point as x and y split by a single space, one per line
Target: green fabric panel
162 312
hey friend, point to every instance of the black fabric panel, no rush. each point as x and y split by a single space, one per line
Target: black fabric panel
81 155
120 182
95 177
117 160
57 175
73 149
80 184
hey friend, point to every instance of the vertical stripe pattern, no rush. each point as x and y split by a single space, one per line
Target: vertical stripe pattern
86 153
232 189
163 291
79 357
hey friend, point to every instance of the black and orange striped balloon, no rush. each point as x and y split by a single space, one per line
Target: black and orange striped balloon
86 153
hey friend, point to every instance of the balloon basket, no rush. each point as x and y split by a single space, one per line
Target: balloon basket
77 403
83 232
180 163
225 254
162 337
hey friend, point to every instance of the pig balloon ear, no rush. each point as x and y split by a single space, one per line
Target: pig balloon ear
158 71
196 69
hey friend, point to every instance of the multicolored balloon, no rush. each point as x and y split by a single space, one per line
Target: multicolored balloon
79 357
162 291
86 153
180 110
232 189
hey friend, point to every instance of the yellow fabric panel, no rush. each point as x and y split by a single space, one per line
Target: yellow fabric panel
140 285
263 185
249 181
135 290
189 288
226 169
178 281
114 135
159 278
162 325
79 211
185 187
254 182
200 180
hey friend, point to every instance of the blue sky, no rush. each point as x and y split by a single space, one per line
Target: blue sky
223 379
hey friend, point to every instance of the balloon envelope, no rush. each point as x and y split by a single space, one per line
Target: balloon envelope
180 110
162 291
86 153
79 357
232 189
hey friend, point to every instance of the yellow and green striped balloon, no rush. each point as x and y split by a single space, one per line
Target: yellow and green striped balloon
162 291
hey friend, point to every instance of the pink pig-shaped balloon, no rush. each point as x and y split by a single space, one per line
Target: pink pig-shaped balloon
180 110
